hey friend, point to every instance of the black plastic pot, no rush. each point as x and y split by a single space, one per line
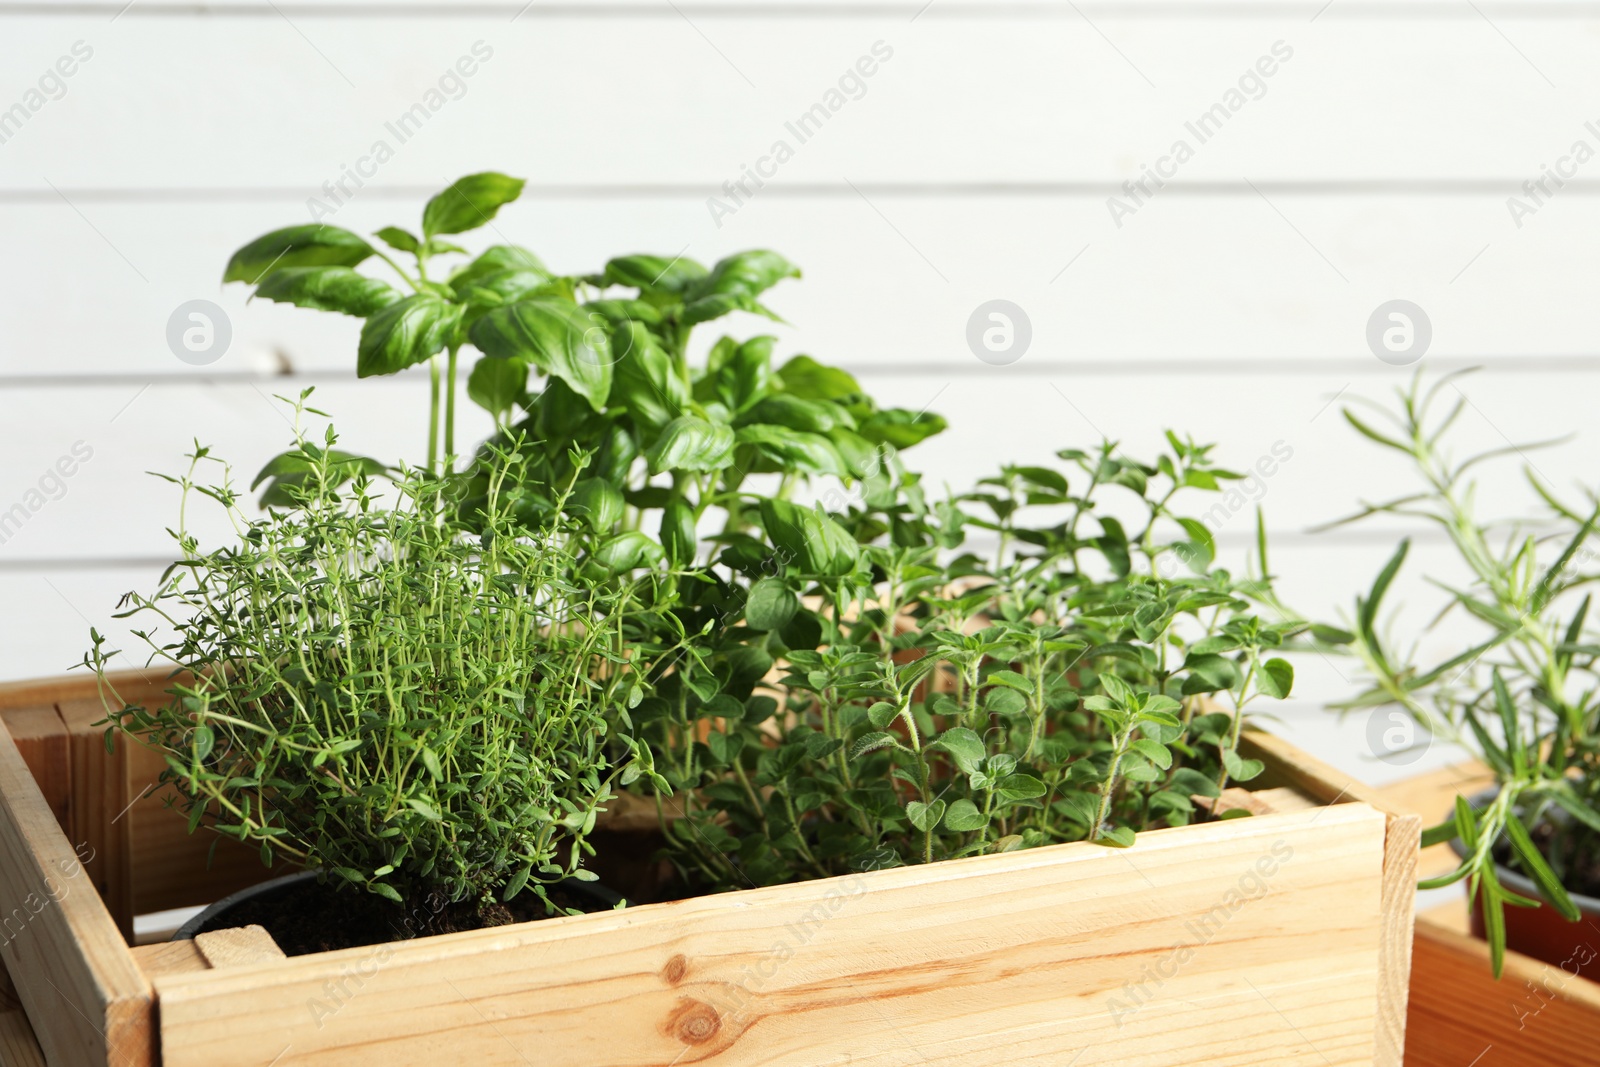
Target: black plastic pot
216 916
209 918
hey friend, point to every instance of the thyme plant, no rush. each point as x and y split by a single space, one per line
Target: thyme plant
369 688
1525 694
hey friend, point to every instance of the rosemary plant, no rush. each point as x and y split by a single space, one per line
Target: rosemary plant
366 689
1525 694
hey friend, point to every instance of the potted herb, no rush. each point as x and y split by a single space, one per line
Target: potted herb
981 707
369 690
1524 696
596 360
902 756
1054 692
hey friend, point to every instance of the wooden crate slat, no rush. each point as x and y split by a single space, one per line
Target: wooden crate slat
1534 1016
133 684
18 1046
1287 766
239 946
99 807
41 737
174 868
948 960
166 957
85 997
1035 950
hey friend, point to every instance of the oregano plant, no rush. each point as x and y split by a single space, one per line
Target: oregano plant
1076 682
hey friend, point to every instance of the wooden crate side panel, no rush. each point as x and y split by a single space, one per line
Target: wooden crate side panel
132 684
1534 1016
86 999
1244 942
1287 766
18 1046
158 863
1401 845
98 811
42 740
171 867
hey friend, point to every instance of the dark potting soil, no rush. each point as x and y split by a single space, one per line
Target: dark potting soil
1579 874
305 917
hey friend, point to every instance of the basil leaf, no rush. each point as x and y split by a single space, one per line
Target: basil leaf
557 337
810 540
645 381
677 533
498 385
654 273
328 289
404 334
497 258
690 443
597 502
469 203
807 379
310 245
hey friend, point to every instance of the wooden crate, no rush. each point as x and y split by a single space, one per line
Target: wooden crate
1535 1015
1283 938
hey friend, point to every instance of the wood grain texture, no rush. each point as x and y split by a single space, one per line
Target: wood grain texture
97 816
170 957
18 1046
1536 1015
87 1000
1287 766
42 740
1027 958
238 947
146 858
1432 797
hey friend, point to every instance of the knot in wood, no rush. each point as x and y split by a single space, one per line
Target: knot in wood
695 1022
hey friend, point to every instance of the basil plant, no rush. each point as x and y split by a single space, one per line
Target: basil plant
596 365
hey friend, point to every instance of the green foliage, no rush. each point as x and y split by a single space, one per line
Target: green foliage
376 691
1525 694
1085 681
607 353
1066 688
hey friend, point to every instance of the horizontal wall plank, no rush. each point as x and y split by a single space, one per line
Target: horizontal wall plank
890 281
1307 465
760 9
1028 97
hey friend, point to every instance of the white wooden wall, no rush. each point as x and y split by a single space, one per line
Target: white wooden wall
1375 163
